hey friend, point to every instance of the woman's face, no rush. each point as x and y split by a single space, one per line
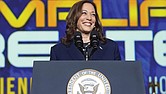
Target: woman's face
87 20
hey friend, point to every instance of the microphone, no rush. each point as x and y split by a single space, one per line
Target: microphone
78 39
94 40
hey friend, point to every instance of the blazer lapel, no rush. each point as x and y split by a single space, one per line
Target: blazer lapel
98 54
75 53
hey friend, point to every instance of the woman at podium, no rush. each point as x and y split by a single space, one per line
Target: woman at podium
84 39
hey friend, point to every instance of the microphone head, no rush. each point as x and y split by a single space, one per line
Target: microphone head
93 35
77 34
94 40
78 39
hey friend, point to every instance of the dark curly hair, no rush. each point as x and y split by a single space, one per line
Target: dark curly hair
72 18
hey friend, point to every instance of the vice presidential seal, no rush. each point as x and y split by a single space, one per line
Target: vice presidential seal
88 81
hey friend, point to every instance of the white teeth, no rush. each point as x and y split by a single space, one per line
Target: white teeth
87 23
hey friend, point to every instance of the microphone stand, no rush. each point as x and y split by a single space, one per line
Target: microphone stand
86 54
94 42
86 51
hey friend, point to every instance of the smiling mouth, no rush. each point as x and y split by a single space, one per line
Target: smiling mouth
87 23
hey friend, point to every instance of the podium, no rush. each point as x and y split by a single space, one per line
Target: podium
87 77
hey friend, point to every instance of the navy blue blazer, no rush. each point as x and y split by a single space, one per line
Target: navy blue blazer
107 51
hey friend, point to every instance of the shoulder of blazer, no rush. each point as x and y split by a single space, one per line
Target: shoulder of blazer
61 46
109 42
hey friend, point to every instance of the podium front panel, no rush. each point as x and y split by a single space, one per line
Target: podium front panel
53 77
